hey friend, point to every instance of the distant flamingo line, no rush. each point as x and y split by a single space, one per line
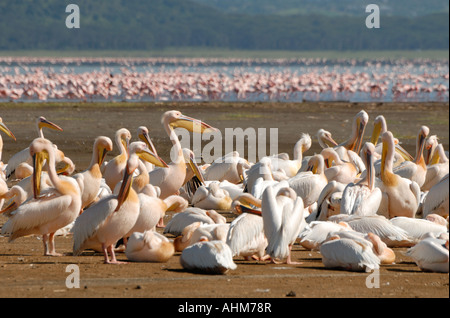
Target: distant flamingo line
43 83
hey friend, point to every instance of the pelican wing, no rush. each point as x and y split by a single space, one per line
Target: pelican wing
359 200
180 220
15 160
245 233
416 228
428 251
437 198
90 220
36 212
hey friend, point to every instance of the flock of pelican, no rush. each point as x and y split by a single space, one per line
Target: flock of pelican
353 202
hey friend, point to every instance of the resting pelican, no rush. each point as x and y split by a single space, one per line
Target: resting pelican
437 169
400 195
309 184
282 212
325 139
212 197
417 228
430 148
363 198
337 169
349 254
149 246
9 133
230 167
110 219
113 171
431 254
329 201
415 170
24 155
16 196
45 214
170 179
211 257
90 179
195 231
316 232
181 220
258 177
437 199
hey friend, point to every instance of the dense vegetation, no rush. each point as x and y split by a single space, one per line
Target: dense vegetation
156 24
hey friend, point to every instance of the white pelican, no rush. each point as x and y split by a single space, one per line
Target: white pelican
212 197
113 170
437 169
258 177
246 234
230 167
415 170
9 133
417 228
144 136
349 149
430 148
363 198
392 235
211 257
24 155
195 231
309 184
325 139
16 196
181 220
90 179
349 254
153 209
336 168
400 195
437 199
170 179
149 246
45 214
316 232
282 213
431 254
110 219
329 201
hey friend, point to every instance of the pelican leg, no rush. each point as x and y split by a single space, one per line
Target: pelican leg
289 261
51 251
45 241
110 250
160 223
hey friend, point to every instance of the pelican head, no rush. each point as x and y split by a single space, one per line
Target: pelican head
145 137
361 120
132 164
430 146
189 159
141 150
325 139
43 122
6 129
421 137
379 127
102 145
368 157
176 119
123 136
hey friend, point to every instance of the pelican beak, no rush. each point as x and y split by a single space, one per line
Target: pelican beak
402 152
359 139
6 130
38 163
146 138
46 123
370 174
195 169
64 169
376 133
192 124
245 209
149 156
101 155
422 145
12 206
125 187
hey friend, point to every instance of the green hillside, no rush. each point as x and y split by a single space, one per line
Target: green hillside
160 24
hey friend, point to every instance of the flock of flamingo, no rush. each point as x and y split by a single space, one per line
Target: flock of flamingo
25 79
353 202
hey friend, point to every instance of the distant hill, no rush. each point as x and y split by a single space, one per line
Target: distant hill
156 24
403 8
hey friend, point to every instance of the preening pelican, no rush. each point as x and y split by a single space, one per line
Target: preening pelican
111 218
212 197
431 254
24 155
282 212
437 168
230 167
144 136
309 184
211 257
47 213
329 201
354 143
181 220
415 170
90 179
437 199
337 169
400 195
16 196
113 170
363 198
316 232
430 148
349 254
9 133
149 246
170 179
194 232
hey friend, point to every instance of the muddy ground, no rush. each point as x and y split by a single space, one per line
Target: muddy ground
24 272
